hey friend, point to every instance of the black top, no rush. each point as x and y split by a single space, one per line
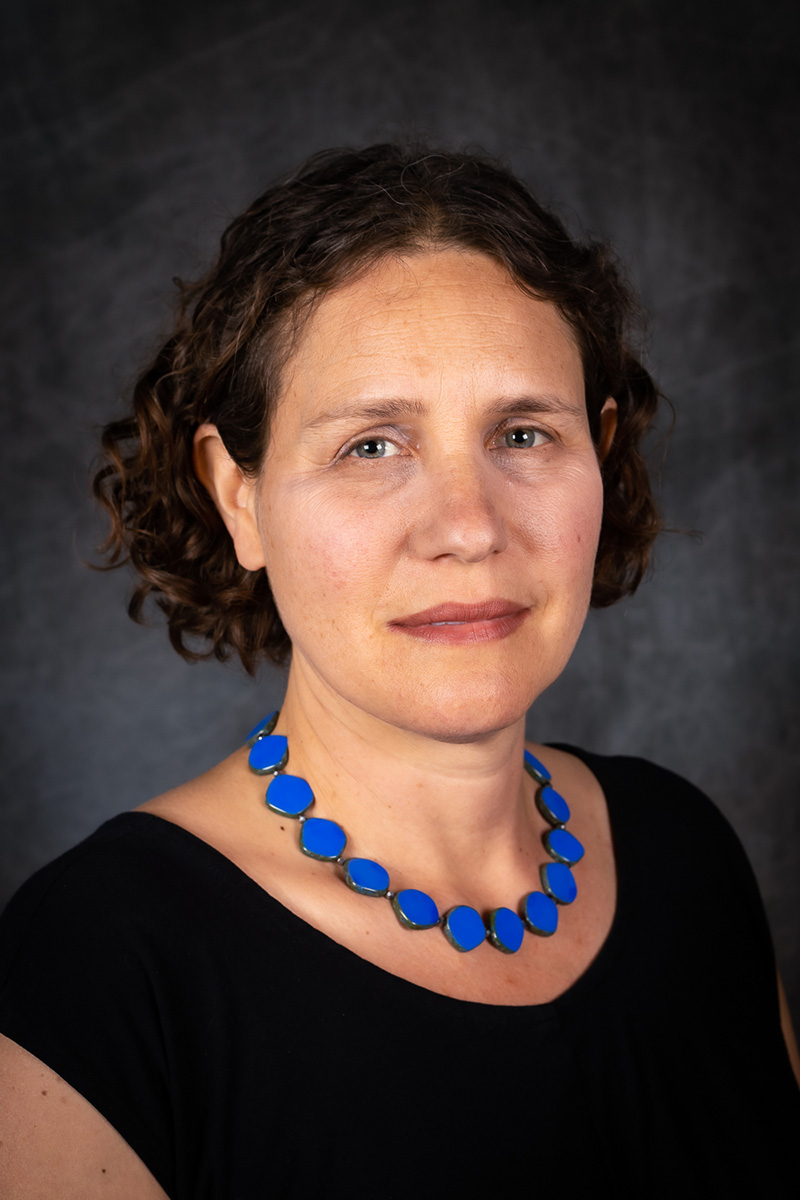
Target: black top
245 1055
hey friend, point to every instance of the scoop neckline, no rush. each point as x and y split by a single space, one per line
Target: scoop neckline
595 970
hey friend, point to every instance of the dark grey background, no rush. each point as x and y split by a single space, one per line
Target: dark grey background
132 132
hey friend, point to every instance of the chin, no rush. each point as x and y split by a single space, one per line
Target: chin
460 710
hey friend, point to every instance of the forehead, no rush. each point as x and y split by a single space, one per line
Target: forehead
431 321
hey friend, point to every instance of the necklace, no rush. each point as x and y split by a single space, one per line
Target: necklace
464 927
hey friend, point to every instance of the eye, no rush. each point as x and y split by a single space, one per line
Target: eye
522 438
374 448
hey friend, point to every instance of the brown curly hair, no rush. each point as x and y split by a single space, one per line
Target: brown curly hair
235 328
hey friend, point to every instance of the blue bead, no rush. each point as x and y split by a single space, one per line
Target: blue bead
365 876
563 847
263 727
506 931
464 928
559 882
553 807
322 839
269 754
541 914
415 909
535 767
289 795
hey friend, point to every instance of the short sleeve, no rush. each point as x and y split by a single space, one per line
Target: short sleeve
79 972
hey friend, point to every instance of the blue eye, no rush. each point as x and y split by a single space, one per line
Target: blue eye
374 448
521 439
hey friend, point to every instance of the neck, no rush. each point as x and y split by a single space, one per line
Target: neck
452 814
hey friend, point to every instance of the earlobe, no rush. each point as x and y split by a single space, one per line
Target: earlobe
233 493
608 428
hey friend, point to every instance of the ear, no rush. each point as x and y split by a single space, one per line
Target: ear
608 427
232 491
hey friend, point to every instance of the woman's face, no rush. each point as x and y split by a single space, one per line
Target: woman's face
430 504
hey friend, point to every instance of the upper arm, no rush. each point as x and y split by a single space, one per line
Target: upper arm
788 1032
54 1143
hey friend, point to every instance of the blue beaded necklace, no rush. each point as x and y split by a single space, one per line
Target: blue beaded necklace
464 927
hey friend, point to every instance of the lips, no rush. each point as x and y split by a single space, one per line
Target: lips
454 623
461 614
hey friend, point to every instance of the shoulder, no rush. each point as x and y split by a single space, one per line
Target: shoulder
668 815
83 872
647 805
636 788
70 913
624 770
619 773
102 917
678 852
105 920
126 852
663 824
149 853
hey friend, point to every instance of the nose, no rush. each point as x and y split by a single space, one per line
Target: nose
460 513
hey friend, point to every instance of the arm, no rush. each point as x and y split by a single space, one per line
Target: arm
788 1032
53 1143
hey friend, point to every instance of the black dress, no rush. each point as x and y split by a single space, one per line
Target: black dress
245 1055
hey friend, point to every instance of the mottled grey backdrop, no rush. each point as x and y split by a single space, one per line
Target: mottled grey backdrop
133 131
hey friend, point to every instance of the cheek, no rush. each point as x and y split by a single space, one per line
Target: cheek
319 558
562 523
587 520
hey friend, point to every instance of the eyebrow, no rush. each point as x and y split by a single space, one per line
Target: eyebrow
398 409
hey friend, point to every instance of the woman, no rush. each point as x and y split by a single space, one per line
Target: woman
396 429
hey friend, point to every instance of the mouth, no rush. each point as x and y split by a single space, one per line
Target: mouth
457 624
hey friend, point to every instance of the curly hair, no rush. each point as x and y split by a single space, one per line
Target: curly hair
235 328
